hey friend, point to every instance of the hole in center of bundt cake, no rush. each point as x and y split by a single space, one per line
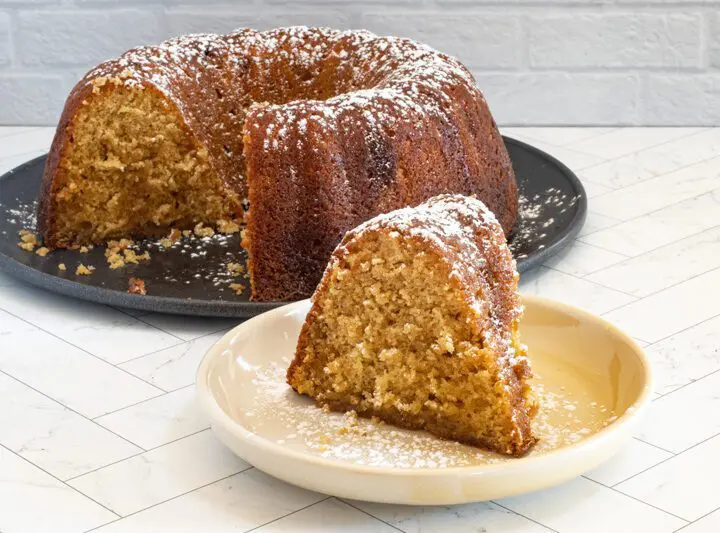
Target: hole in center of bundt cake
134 169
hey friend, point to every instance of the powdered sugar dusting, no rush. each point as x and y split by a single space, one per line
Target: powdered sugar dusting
567 415
381 81
534 220
23 215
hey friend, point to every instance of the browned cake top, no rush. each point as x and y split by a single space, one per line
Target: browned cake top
296 63
467 234
302 77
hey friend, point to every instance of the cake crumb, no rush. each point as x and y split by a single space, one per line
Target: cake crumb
62 267
114 259
118 245
235 269
42 251
186 233
119 254
228 226
131 257
86 249
172 238
28 240
83 270
203 231
238 288
97 83
136 286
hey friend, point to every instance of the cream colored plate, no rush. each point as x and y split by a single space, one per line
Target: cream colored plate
593 381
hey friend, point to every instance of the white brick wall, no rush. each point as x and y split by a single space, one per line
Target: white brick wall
538 61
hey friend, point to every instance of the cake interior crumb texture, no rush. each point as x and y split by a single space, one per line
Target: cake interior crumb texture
131 167
394 337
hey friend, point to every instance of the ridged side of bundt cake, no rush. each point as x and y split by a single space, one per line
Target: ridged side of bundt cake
318 129
415 322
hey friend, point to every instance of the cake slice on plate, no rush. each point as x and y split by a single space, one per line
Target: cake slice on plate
415 322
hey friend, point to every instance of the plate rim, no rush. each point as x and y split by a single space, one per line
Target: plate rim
241 309
621 426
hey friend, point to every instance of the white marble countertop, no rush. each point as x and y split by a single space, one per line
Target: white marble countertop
99 430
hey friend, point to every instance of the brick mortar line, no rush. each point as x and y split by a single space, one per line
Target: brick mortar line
54 69
634 6
611 70
490 6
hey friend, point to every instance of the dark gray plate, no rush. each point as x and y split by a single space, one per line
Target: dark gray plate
191 277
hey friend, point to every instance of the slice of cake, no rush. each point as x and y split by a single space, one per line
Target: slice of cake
415 322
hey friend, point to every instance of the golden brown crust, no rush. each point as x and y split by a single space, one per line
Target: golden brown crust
335 128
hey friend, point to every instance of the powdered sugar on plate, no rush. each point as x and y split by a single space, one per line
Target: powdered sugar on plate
535 220
567 416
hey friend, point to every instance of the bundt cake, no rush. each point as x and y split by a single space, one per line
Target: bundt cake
415 322
311 131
